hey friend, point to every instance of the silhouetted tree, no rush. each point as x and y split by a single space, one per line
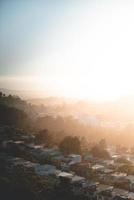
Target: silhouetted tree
14 117
70 145
1 94
44 137
102 144
98 152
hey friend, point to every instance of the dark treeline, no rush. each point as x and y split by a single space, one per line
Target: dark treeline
13 117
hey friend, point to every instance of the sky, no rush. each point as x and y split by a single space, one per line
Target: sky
72 48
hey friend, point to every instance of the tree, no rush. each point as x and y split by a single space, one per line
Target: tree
98 152
1 94
84 144
44 137
14 117
103 144
70 145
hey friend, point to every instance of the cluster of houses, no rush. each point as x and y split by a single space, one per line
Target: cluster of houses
85 176
80 186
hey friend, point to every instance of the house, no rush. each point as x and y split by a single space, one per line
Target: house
77 179
65 178
77 183
118 176
88 158
104 192
97 168
14 161
65 167
65 175
74 158
108 163
45 170
105 176
90 191
119 194
49 154
81 169
131 196
57 161
119 180
130 178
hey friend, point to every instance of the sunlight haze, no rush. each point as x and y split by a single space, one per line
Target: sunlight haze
77 49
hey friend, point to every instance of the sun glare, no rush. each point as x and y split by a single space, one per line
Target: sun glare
92 57
88 53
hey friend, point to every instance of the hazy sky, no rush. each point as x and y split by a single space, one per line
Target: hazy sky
76 48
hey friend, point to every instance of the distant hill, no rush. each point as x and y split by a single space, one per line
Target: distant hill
37 97
50 101
25 94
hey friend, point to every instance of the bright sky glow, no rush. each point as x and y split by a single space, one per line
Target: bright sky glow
83 49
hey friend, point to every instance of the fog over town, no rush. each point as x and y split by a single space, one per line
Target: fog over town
66 100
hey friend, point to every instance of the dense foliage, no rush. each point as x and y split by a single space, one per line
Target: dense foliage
70 145
100 150
13 116
44 137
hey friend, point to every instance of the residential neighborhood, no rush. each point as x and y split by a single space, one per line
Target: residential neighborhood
92 178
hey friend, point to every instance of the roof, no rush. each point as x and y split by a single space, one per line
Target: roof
119 192
92 183
130 178
45 169
102 187
95 167
65 175
18 142
60 157
131 195
77 178
19 161
50 152
108 162
57 172
108 171
37 146
74 155
16 160
119 175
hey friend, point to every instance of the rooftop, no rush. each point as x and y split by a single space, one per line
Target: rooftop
119 192
65 175
119 175
95 167
102 187
77 179
45 169
130 178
